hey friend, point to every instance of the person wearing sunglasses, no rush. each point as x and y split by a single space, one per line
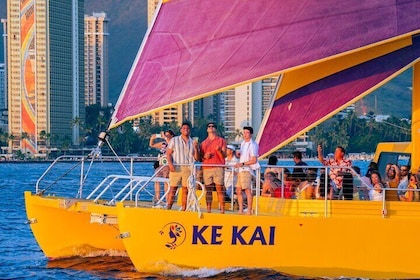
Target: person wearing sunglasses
411 193
212 154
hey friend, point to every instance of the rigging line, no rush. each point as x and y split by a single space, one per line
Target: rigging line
119 159
397 126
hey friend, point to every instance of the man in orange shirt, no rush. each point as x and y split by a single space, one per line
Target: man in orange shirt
213 152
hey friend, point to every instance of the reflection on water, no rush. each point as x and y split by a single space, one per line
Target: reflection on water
111 267
103 266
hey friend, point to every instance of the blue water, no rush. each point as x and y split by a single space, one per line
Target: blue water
21 258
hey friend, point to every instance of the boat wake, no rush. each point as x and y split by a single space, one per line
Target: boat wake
120 267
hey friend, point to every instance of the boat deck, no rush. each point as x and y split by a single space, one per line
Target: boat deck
138 191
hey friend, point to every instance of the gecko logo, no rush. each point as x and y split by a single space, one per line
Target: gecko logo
173 234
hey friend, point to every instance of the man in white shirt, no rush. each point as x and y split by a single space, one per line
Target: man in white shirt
248 162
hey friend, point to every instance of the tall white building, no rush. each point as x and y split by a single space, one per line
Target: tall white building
245 106
151 8
96 59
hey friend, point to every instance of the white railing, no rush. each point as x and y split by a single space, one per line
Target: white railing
129 187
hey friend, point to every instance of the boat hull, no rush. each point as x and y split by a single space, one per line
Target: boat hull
350 243
69 227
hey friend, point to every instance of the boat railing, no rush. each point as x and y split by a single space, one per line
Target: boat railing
310 206
112 183
68 171
79 161
192 185
128 187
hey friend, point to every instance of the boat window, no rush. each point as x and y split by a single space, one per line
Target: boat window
392 157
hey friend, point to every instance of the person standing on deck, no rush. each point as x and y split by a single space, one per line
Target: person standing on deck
299 172
338 164
213 151
248 162
230 173
162 145
181 153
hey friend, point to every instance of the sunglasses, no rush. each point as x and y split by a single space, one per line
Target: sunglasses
405 170
211 125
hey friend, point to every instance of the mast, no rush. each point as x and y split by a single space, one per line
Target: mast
415 119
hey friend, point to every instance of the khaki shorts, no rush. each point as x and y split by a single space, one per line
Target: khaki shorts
244 180
213 175
180 175
164 172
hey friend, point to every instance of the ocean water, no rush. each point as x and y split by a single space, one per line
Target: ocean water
21 258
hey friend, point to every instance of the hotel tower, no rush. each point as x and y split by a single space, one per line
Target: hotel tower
45 73
96 59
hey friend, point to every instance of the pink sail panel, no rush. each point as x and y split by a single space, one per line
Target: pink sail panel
302 109
199 47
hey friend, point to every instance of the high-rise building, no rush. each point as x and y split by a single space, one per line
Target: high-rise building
3 99
245 106
45 73
96 59
151 8
3 81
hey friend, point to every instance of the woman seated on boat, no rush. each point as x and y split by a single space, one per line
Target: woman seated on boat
287 190
392 180
272 161
376 194
271 183
306 187
410 194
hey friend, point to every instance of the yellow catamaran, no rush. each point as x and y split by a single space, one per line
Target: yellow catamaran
328 54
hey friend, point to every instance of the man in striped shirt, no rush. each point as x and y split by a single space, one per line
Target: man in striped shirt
181 153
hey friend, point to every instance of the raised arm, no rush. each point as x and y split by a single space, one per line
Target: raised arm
320 156
152 143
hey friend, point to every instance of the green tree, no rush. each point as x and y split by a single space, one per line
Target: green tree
124 140
24 136
4 137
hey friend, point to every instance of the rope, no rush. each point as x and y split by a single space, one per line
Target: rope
192 200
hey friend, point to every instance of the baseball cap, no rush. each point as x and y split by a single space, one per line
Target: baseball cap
231 147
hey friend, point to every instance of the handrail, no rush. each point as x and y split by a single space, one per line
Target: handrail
37 191
144 185
122 187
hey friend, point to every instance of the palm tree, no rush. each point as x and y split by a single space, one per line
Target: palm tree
4 136
238 134
24 136
45 137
